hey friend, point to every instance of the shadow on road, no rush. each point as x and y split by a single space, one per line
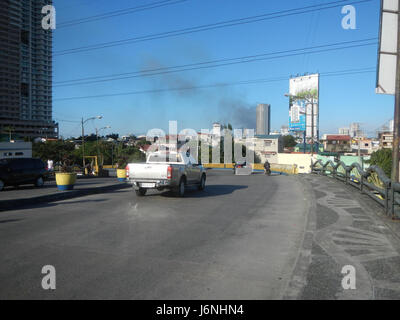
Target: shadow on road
210 191
56 203
27 187
213 191
10 220
81 201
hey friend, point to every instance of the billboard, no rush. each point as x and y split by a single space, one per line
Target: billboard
387 55
301 110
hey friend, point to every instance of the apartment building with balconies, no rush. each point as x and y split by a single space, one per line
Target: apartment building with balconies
25 70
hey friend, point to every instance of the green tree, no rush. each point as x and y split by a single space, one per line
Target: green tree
289 141
54 150
383 159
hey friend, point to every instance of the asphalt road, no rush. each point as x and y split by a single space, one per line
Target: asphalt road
238 239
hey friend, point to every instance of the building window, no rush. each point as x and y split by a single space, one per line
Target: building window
25 89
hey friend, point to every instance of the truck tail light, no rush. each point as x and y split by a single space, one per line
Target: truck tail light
169 172
127 171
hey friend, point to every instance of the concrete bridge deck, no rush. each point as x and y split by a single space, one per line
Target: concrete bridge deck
244 237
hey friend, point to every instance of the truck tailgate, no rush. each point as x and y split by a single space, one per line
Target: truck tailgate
143 171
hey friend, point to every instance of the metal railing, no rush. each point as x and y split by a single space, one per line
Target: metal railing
372 182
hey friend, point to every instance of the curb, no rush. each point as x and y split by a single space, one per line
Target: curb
298 279
62 195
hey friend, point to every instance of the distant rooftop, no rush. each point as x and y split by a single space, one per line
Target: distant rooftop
267 136
338 137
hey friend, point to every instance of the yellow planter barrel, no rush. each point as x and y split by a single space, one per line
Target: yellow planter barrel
65 181
121 175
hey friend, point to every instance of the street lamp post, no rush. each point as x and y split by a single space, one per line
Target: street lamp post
83 138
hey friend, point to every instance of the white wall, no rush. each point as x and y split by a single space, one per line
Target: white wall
302 161
15 150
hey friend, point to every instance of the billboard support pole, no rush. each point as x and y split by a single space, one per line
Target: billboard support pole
396 128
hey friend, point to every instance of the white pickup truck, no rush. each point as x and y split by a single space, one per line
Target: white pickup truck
166 170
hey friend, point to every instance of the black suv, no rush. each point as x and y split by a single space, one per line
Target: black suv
14 172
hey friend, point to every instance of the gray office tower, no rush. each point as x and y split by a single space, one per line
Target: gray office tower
263 119
25 70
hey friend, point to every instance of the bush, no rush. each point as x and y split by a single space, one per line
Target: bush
383 159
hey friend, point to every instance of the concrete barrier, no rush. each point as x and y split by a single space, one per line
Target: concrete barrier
214 165
281 168
109 166
301 161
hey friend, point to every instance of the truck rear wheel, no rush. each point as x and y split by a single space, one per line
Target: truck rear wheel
141 192
180 192
202 184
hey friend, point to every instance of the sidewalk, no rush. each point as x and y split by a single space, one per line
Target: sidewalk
26 195
346 228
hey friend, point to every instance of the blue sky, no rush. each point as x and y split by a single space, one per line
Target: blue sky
343 99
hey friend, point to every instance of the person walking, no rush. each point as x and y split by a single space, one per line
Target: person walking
50 165
267 168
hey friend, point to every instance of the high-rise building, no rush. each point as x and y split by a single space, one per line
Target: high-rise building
25 70
356 131
345 131
217 128
263 119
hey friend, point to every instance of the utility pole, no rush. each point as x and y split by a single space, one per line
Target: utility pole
83 138
396 128
83 148
112 154
97 143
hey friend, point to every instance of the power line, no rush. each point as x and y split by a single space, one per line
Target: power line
255 81
118 13
218 63
76 5
217 25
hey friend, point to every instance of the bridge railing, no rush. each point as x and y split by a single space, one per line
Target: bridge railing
372 182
